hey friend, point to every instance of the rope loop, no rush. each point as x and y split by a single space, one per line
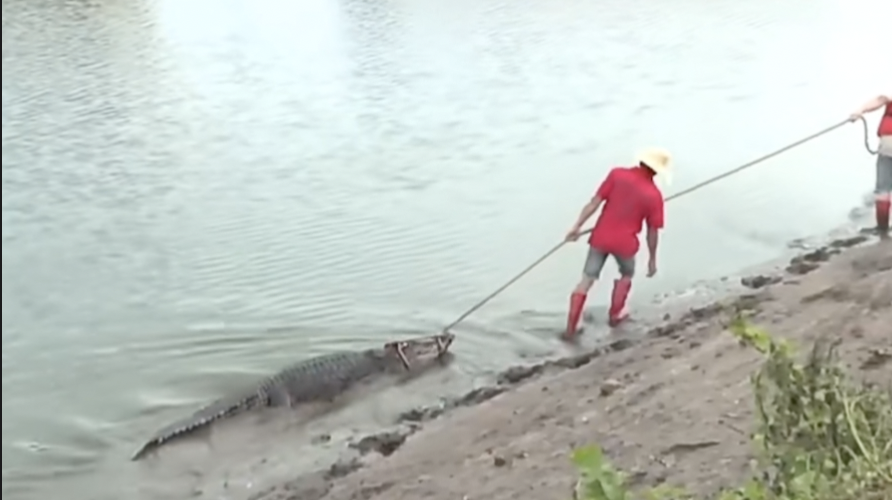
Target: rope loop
867 137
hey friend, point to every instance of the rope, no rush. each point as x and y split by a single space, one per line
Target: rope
867 137
689 190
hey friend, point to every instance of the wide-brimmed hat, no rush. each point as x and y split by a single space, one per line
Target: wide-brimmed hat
659 160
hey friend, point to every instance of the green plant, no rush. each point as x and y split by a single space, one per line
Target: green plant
819 436
598 479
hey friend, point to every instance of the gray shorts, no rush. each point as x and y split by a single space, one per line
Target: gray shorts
596 259
884 174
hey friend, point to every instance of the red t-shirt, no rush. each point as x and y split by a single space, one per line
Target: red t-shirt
630 198
886 122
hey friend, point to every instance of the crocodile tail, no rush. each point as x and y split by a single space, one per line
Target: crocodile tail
177 429
201 418
149 446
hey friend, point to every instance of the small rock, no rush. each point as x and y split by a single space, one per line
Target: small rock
384 443
477 396
499 461
610 386
849 242
760 281
343 468
802 267
574 362
820 255
322 438
620 345
372 491
421 414
751 302
517 374
876 359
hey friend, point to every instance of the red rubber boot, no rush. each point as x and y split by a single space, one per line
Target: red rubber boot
882 207
577 302
621 289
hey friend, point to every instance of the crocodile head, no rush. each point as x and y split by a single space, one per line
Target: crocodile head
410 351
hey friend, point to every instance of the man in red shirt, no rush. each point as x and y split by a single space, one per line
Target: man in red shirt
884 158
630 198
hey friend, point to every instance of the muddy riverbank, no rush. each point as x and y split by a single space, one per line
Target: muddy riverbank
668 405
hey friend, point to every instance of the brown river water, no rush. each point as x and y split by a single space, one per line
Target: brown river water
197 192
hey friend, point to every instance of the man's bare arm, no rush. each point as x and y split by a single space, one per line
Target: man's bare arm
875 104
587 211
653 240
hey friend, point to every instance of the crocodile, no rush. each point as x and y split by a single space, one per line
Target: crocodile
319 379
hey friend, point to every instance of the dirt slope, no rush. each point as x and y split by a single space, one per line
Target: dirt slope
674 406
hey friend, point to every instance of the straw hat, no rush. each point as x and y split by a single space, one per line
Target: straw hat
659 160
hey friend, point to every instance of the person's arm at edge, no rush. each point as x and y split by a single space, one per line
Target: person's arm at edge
587 211
653 241
874 104
655 222
595 203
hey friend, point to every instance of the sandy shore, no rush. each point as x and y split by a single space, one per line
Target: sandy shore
672 406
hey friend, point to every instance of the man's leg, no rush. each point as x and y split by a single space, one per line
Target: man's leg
883 192
594 262
621 289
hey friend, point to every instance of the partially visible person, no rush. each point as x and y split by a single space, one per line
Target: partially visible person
884 158
630 198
